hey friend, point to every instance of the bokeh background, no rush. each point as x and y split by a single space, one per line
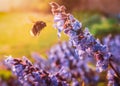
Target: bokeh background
17 17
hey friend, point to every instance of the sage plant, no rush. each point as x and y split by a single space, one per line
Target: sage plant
68 62
114 47
82 40
28 75
63 59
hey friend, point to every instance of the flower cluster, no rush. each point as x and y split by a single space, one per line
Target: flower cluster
82 40
114 47
63 59
113 44
86 44
62 68
28 75
113 80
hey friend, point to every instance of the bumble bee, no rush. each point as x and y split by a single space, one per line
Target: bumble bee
37 27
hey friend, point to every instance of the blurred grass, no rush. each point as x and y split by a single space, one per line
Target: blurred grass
15 38
98 24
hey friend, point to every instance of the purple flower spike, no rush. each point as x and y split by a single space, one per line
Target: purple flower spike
82 40
28 75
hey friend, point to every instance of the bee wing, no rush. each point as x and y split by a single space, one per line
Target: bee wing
33 19
32 33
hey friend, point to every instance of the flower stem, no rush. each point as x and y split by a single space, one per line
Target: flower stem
111 65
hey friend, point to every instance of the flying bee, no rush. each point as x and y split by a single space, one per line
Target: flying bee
37 27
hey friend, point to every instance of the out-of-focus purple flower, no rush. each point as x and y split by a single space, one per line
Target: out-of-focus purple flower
113 74
113 80
113 44
62 56
28 75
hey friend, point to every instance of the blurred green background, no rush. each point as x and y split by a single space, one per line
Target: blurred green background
18 16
